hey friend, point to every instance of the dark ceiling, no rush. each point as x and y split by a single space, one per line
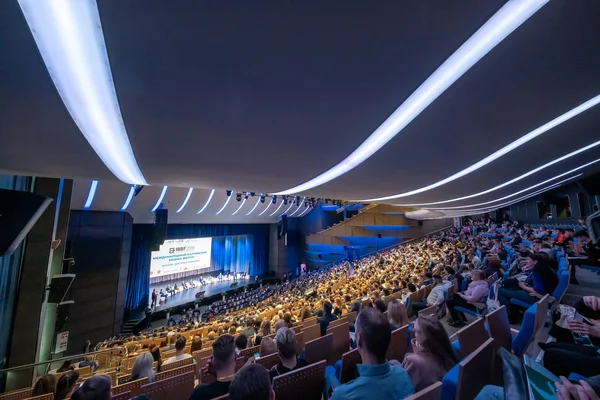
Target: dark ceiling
265 95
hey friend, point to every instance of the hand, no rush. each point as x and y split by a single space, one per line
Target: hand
583 329
523 286
566 390
250 360
533 293
592 302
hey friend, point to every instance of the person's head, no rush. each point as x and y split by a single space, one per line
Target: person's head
180 343
142 367
46 384
223 353
432 338
196 344
450 271
380 305
428 275
65 385
287 318
250 322
437 280
286 343
396 284
96 388
373 336
327 307
279 324
241 342
267 346
232 330
397 313
305 314
257 323
265 327
156 354
252 382
478 275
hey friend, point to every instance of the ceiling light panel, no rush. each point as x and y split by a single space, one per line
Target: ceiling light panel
187 198
210 196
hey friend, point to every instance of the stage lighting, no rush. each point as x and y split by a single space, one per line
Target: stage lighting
284 200
252 194
246 196
274 199
137 189
229 192
262 198
327 201
238 196
306 204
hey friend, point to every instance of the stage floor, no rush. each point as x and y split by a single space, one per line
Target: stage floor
189 295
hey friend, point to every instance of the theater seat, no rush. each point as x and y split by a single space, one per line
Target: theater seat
524 336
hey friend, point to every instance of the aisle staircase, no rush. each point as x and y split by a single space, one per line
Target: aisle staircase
375 228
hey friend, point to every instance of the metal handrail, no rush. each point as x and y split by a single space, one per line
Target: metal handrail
83 355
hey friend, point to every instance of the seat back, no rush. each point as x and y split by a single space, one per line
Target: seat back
309 322
122 396
268 361
311 333
341 342
523 338
563 284
475 371
47 396
133 387
177 364
302 384
300 343
201 354
177 387
17 394
351 317
318 349
431 392
349 362
471 337
499 328
175 371
250 351
541 314
122 379
239 363
398 346
338 322
429 311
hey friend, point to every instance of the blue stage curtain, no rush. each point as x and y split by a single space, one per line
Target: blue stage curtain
243 247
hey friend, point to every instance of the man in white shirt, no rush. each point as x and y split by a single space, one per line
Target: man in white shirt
179 351
436 297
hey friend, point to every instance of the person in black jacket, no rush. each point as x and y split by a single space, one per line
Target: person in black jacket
326 318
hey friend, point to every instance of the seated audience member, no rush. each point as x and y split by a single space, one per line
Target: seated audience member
252 382
305 314
265 330
432 355
65 385
477 292
180 353
196 344
46 384
241 342
380 305
426 280
377 378
540 282
435 298
589 307
171 339
142 367
250 329
326 318
279 324
96 388
267 346
222 365
155 351
286 347
397 314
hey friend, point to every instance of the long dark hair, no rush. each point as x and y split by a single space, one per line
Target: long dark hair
544 272
436 342
65 384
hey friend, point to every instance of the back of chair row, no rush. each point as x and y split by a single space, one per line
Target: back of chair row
177 387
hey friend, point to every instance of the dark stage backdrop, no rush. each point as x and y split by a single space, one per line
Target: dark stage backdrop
228 253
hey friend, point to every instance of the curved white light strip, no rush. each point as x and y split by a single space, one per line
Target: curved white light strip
160 198
268 205
129 198
189 193
303 212
520 191
210 196
240 207
69 37
225 205
506 149
498 27
289 208
497 206
275 212
298 209
518 178
91 194
254 208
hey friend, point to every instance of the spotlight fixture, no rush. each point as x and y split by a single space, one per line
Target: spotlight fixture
137 189
327 201
229 192
246 196
262 198
238 196
274 199
284 200
252 194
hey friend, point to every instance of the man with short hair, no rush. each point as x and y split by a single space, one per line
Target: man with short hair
377 378
179 351
285 338
249 331
241 343
396 287
252 382
327 317
223 366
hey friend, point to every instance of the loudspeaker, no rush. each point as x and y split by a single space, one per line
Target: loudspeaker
59 286
62 315
379 236
159 233
19 211
282 226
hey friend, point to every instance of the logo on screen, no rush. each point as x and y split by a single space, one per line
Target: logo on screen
171 250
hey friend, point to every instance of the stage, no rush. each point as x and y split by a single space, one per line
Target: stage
189 296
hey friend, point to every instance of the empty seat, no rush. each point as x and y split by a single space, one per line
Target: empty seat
303 384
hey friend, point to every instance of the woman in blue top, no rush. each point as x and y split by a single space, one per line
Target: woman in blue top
540 282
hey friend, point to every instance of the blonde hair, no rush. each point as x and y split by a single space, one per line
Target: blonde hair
267 346
397 313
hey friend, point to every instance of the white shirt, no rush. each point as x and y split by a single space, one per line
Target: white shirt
436 297
176 358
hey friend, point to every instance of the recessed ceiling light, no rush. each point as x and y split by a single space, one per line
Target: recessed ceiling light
69 37
498 27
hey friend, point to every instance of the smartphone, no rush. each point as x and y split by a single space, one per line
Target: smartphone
256 356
